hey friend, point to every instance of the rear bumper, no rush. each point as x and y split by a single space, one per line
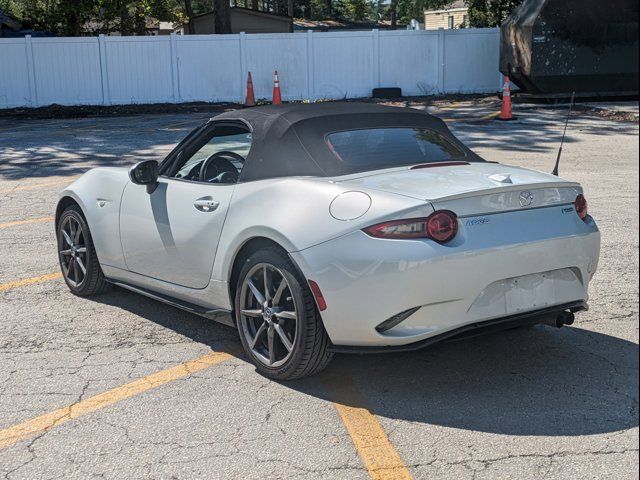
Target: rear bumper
489 271
472 329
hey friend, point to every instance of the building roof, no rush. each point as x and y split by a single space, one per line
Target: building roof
257 13
456 4
10 21
340 24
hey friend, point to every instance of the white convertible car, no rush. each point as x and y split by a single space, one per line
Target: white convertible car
333 227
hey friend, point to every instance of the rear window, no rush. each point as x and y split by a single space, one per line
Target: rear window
389 147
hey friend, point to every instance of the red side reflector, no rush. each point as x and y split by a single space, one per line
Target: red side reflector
438 164
317 294
582 209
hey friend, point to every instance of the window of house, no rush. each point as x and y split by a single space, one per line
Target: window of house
450 21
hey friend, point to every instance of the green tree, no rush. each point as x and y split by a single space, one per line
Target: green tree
13 7
356 10
353 10
87 17
62 17
490 13
222 18
82 17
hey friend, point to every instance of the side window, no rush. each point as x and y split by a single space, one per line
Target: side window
217 158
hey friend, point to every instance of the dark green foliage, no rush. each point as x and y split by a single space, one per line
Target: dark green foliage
91 17
490 13
87 17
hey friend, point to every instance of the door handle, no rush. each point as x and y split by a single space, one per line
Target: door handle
206 204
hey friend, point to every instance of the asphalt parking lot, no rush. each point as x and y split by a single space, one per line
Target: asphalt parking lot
123 387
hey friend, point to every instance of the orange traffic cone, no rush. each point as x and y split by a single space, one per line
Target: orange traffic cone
250 99
505 110
277 98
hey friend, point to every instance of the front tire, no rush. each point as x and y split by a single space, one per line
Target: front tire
76 253
279 325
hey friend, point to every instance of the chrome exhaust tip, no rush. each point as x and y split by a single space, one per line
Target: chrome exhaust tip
565 318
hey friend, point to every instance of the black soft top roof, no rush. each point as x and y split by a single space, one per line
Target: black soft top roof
289 140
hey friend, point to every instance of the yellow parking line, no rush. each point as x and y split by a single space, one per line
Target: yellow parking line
25 222
378 455
491 116
17 127
46 422
29 281
451 106
35 186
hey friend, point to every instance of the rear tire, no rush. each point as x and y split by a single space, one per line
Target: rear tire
77 256
279 325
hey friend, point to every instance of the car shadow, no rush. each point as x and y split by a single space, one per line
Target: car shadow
70 147
537 381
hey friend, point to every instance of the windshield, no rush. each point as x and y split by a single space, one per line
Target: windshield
389 147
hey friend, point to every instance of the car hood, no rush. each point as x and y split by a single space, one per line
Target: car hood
453 181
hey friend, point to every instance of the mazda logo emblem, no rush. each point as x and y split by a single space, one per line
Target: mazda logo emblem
526 198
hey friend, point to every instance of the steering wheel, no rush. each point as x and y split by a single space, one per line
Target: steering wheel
219 169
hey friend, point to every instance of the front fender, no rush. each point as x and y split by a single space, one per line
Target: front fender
98 193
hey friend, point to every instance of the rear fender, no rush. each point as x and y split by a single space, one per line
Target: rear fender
295 213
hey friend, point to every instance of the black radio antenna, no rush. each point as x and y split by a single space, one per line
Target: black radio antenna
564 133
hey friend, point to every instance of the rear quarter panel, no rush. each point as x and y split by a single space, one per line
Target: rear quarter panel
294 212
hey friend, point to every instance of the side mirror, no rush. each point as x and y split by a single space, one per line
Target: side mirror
145 173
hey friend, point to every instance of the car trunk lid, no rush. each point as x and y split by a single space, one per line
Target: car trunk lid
471 188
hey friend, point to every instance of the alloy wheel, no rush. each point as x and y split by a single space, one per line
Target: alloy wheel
73 251
268 314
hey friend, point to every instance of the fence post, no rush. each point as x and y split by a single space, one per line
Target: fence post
244 69
311 87
441 60
376 57
31 70
173 42
102 49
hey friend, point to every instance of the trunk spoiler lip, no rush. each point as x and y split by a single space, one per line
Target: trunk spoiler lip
438 164
508 188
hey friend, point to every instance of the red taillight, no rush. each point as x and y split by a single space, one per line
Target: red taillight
440 226
411 228
582 209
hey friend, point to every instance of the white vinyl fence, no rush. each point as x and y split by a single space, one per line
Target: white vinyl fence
213 68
